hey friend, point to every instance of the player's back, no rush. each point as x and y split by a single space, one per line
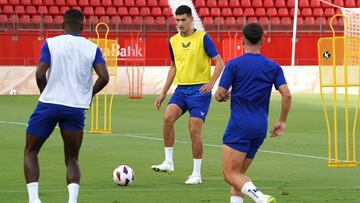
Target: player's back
70 78
253 77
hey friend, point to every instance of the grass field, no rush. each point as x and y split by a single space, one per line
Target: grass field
293 167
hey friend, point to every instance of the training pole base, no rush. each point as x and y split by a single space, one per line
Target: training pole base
342 164
100 131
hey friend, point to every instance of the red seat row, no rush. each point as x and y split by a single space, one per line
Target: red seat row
127 3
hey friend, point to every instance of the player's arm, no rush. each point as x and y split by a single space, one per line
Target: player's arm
43 66
101 71
279 127
169 81
222 94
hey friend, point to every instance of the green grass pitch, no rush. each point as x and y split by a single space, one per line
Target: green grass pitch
279 169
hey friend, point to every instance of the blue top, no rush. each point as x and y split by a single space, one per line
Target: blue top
251 77
209 46
45 55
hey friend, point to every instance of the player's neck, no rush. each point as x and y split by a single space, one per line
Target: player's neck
188 33
71 32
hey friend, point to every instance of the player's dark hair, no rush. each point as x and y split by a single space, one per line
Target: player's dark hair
184 9
73 17
253 32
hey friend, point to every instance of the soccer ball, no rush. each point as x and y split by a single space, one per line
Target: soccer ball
13 92
123 175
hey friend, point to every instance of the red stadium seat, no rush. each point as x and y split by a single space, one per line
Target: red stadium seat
61 2
156 11
126 20
54 10
227 12
95 3
223 3
324 5
43 10
25 19
230 21
339 2
19 10
84 3
219 20
3 18
315 4
7 9
306 12
171 20
309 21
320 21
14 2
167 11
134 11
160 20
283 12
47 19
123 11
118 2
37 2
152 3
31 10
115 20
58 19
88 11
292 12
280 3
274 20
137 20
317 12
238 12
252 20
264 21
104 19
25 2
63 9
149 20
71 3
129 3
145 11
300 21
106 3
164 3
260 12
303 3
350 4
234 3
4 2
49 2
268 3
215 12
140 3
36 19
249 12
257 3
245 3
208 21
291 3
286 21
329 12
111 11
211 3
77 8
100 11
271 12
13 18
358 4
204 12
240 21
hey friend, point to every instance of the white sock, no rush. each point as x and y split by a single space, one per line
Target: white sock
169 155
250 190
197 168
236 199
73 189
33 191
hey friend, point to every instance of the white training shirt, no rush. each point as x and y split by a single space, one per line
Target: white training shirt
70 76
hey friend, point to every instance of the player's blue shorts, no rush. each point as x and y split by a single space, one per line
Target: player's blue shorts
244 140
188 98
45 117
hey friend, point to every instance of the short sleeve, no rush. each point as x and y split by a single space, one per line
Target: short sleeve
171 52
279 78
227 77
98 57
209 46
45 54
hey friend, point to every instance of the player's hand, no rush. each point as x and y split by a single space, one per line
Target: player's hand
277 129
159 101
206 88
227 97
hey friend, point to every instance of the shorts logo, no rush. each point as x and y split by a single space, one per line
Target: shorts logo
202 113
185 45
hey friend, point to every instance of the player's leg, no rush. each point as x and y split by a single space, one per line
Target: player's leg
236 195
174 111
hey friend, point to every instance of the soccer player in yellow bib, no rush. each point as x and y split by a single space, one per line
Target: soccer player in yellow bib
191 51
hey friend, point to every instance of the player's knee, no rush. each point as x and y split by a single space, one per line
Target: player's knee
195 132
169 120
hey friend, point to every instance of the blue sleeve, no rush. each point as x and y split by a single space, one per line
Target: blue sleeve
98 57
227 77
209 46
171 53
279 78
45 54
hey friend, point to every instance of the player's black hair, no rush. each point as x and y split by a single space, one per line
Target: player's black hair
73 17
184 9
253 32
